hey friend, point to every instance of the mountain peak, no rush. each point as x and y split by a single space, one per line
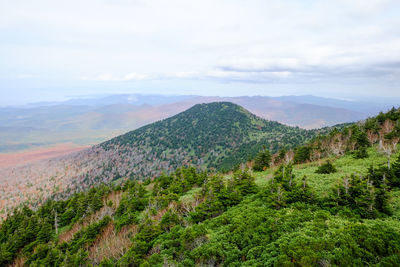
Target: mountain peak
216 135
217 108
218 119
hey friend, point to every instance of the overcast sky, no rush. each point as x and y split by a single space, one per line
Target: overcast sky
51 50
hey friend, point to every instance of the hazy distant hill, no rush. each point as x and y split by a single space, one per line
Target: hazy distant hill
357 106
132 99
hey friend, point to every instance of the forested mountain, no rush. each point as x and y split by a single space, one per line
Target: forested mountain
332 202
217 136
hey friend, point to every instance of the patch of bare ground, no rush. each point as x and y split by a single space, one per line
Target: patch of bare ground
18 262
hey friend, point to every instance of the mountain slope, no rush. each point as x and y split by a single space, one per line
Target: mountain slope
287 215
215 136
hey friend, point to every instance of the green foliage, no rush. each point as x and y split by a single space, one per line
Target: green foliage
220 195
132 203
361 153
326 168
395 173
142 243
86 236
359 195
170 220
237 222
361 142
26 231
45 232
283 190
262 160
302 154
252 234
178 182
280 155
359 137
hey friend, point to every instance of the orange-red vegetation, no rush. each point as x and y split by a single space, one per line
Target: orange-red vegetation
19 158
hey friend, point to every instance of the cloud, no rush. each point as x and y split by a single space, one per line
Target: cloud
352 42
135 76
253 76
107 77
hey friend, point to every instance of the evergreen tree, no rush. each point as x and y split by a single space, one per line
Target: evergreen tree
302 154
45 232
395 170
262 160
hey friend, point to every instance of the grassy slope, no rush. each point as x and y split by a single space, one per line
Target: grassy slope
345 165
322 183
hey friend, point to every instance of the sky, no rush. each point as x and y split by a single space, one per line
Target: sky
53 50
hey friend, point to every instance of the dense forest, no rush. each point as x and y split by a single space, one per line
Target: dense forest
332 202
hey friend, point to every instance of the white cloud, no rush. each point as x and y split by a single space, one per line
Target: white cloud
293 42
108 77
133 76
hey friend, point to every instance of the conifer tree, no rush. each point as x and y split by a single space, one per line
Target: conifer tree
262 160
44 234
395 170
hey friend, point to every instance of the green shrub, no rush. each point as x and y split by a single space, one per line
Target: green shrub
361 153
326 168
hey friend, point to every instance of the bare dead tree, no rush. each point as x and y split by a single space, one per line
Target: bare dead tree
346 184
56 221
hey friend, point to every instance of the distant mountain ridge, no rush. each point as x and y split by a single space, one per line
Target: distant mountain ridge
368 108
